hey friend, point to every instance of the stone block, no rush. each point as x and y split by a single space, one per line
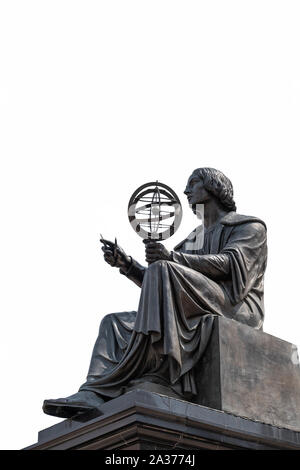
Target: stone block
251 374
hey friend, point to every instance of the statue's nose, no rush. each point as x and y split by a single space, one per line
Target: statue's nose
186 191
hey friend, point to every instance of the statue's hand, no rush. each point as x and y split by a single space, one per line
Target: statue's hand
115 255
156 251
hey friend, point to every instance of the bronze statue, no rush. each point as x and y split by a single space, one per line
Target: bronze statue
181 293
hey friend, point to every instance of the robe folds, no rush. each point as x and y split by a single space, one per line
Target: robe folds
165 338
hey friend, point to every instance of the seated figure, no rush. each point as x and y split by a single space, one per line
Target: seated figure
182 291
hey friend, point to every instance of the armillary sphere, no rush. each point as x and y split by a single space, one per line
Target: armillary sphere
154 211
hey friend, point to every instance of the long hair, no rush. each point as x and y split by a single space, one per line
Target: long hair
219 185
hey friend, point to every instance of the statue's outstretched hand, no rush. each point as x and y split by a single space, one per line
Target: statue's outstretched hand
115 255
156 251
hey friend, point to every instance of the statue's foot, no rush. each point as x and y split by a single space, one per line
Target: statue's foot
81 406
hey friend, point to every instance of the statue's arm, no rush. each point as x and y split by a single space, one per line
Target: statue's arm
242 259
135 272
213 266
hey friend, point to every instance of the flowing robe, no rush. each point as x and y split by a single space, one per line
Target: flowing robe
166 337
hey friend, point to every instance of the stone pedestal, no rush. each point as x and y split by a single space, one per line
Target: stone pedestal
146 420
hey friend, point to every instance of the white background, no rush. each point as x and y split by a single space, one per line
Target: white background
97 98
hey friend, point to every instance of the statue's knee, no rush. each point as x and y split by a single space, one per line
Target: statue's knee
106 322
158 264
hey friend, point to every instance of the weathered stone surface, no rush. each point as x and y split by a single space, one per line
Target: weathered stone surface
252 374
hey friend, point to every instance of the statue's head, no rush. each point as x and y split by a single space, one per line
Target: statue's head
206 184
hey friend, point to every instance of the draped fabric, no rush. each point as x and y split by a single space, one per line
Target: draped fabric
164 340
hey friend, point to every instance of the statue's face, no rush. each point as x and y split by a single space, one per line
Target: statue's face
195 191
